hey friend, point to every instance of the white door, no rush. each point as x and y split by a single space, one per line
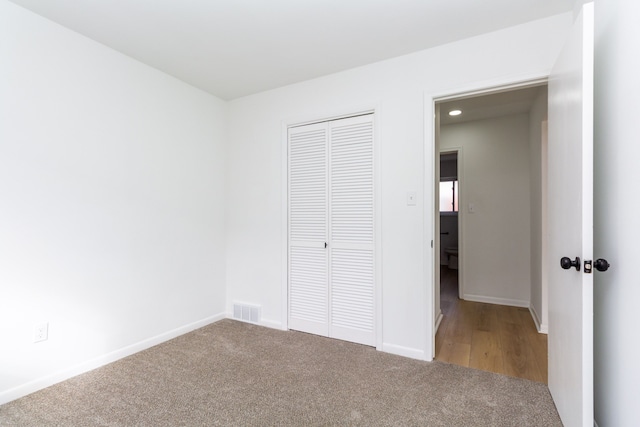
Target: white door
570 210
308 229
331 229
351 242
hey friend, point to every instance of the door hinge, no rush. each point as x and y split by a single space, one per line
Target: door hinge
587 266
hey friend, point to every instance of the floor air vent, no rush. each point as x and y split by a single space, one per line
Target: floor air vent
246 313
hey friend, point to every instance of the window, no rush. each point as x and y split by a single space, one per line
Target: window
449 196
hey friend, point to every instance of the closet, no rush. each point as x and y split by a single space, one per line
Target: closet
331 229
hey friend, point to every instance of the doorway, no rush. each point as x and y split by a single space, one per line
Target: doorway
493 319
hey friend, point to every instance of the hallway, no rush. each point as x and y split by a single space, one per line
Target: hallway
490 337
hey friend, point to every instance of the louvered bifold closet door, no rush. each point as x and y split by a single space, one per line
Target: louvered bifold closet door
351 230
308 229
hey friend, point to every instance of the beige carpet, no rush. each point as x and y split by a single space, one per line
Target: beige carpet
232 373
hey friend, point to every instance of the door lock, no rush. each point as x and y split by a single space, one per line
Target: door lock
601 264
567 263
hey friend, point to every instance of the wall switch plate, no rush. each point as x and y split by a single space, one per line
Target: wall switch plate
41 331
411 198
472 208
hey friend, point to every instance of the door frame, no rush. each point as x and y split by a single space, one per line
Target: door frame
318 117
431 156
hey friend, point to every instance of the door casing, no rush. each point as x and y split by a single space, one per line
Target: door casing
432 155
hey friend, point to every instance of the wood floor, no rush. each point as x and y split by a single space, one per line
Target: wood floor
489 337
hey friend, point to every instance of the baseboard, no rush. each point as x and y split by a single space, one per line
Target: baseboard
494 300
387 348
65 374
273 324
541 327
267 323
399 350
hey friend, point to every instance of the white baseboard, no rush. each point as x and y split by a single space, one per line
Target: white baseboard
494 300
273 324
267 323
541 327
387 348
89 365
399 350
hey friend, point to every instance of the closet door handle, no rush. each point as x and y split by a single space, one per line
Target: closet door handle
325 245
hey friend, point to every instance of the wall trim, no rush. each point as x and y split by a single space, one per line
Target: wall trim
500 301
267 323
105 359
413 353
430 229
438 321
430 98
542 328
273 324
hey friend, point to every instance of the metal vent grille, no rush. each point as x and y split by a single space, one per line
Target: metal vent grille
246 313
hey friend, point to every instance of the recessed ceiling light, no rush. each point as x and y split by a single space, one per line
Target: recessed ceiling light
455 112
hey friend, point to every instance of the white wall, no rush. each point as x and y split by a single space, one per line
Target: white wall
537 115
111 203
397 87
496 236
616 206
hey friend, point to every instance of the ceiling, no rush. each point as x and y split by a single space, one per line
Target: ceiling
498 104
233 48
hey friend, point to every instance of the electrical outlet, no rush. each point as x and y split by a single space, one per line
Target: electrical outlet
41 331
